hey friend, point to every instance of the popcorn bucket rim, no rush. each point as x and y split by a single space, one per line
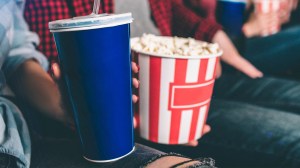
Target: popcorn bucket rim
149 54
257 1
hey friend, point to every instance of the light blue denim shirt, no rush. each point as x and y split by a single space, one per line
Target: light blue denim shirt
17 44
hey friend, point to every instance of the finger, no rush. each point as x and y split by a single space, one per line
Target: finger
206 129
244 66
135 82
267 22
135 68
251 71
56 71
134 122
134 98
267 18
192 143
248 69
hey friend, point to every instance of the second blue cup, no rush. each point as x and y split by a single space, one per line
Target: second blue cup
230 14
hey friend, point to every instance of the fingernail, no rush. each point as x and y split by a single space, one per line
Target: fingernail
51 67
54 66
135 98
138 67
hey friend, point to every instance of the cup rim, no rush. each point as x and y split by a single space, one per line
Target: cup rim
234 1
89 22
255 1
149 54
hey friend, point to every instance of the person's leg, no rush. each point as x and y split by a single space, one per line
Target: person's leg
7 161
277 54
279 112
53 149
266 136
245 135
60 153
268 92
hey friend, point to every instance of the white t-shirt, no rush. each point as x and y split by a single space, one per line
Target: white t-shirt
140 10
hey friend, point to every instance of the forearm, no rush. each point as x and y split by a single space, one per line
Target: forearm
233 58
35 87
229 50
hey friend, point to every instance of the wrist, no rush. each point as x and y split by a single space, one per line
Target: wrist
219 36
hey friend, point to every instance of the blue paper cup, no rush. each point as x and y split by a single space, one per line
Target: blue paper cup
94 55
230 13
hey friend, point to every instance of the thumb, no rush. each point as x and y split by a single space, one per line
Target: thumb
56 71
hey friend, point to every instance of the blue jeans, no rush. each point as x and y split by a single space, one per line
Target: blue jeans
254 123
259 116
55 146
277 55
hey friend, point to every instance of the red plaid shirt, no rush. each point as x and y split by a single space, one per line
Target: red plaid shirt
38 13
172 17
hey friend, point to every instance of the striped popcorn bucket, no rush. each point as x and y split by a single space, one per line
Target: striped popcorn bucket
174 96
267 6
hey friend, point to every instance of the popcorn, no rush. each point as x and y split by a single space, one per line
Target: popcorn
174 46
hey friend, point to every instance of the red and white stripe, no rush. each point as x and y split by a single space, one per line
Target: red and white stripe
267 6
174 98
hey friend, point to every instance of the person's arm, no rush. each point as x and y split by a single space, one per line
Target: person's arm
262 23
259 24
23 44
233 58
25 69
188 24
34 86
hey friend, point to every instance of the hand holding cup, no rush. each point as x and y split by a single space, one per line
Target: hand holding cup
262 24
